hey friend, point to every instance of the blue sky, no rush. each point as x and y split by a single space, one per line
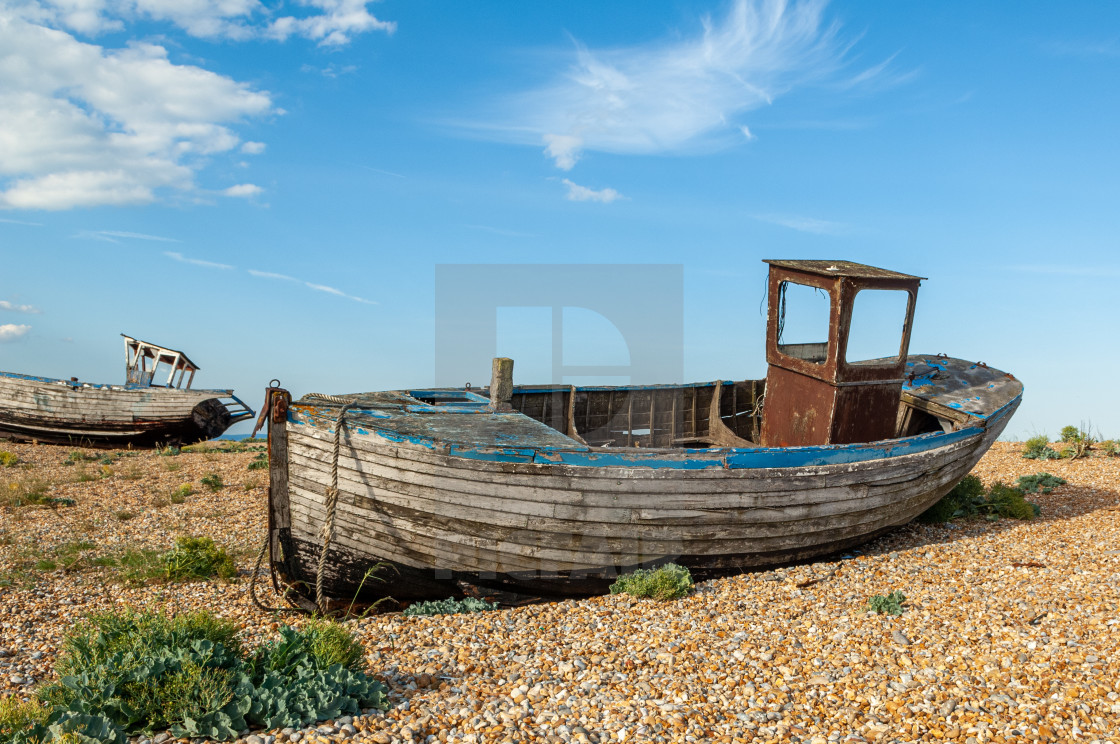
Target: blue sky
270 187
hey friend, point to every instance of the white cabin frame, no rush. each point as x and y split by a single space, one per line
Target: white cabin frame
137 355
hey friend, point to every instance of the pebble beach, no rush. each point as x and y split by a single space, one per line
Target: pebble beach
1011 629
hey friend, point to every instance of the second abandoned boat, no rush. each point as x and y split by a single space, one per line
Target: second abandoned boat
140 413
559 489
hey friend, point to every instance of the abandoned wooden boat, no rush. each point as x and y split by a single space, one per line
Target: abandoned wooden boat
139 413
559 489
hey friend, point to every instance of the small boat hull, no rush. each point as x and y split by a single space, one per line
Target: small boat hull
84 414
540 516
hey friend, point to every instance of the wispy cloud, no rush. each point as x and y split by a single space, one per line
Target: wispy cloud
253 148
1083 48
689 93
501 231
382 172
11 331
196 261
803 224
112 236
582 193
310 285
21 222
11 306
330 71
1068 270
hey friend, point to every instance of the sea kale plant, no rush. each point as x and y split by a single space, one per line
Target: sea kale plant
449 606
970 499
668 581
137 672
890 604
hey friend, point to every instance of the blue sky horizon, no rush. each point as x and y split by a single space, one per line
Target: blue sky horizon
270 188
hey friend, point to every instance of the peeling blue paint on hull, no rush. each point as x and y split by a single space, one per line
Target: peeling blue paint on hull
502 500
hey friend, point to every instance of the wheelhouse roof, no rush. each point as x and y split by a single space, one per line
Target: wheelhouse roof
841 268
174 357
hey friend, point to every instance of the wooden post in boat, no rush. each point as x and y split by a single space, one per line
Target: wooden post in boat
501 384
280 550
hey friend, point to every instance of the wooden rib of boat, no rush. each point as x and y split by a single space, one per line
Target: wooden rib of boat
559 489
139 413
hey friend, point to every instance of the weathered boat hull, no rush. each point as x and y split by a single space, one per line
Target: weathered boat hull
65 412
555 520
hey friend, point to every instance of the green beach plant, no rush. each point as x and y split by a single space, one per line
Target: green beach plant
1038 448
1039 482
127 673
665 582
449 606
891 604
1079 441
969 499
198 558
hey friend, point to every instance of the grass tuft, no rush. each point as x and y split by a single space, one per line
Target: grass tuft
7 459
212 481
17 716
198 558
1038 448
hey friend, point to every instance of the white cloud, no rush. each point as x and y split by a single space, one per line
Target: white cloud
196 261
311 285
12 307
11 331
338 21
803 224
243 190
330 22
685 94
582 193
29 309
563 148
87 126
22 222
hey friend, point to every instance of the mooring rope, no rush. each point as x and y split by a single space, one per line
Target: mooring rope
327 530
253 582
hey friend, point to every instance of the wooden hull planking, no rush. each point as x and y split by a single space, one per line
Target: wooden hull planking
62 412
541 527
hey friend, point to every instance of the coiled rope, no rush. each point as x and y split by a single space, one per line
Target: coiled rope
326 532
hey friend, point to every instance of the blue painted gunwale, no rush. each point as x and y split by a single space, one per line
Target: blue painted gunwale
73 385
724 458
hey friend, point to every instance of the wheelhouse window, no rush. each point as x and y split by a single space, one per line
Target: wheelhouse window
878 327
803 322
